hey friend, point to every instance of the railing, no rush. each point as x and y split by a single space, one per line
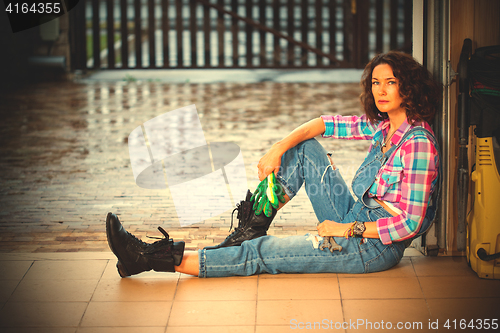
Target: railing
123 34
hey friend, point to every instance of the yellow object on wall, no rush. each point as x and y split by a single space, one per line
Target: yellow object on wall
483 230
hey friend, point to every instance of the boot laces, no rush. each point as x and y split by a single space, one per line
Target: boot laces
239 208
165 240
163 231
137 240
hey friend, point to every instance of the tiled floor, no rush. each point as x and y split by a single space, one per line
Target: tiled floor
82 292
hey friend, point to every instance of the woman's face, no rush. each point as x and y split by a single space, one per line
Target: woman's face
385 90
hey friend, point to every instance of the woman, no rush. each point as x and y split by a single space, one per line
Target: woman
394 187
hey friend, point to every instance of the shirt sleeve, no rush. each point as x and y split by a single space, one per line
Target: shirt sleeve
348 127
420 169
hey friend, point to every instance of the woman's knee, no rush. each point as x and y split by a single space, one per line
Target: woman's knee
388 257
311 146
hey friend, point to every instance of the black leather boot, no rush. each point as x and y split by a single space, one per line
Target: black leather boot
135 256
250 226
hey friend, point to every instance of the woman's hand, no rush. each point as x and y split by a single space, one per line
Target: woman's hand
269 163
332 228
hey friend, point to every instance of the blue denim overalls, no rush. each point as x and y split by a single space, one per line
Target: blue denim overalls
365 176
307 164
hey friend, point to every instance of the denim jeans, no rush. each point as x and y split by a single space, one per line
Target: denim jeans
308 166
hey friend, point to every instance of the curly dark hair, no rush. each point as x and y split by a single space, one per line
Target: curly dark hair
420 92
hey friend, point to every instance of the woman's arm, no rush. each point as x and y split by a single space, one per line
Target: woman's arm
271 161
420 163
349 127
331 228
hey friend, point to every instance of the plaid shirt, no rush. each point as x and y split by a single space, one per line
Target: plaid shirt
406 180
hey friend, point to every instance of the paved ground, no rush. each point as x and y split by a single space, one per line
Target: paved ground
64 157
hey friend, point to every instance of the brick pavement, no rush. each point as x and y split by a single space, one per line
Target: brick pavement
64 157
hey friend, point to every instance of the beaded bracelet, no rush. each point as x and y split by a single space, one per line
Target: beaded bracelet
355 230
349 232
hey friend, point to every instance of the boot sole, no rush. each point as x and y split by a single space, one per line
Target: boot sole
121 269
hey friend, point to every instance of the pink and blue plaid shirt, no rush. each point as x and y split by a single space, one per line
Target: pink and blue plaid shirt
406 180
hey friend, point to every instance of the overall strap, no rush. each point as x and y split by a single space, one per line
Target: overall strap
418 129
391 150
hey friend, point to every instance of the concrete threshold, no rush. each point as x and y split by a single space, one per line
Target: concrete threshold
226 75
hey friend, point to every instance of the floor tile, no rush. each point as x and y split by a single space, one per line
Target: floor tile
42 314
39 256
385 314
118 314
412 252
110 271
403 269
213 329
325 326
66 269
39 330
6 289
135 290
381 288
294 276
54 291
220 289
288 312
212 313
464 308
440 266
121 330
298 288
14 270
459 286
